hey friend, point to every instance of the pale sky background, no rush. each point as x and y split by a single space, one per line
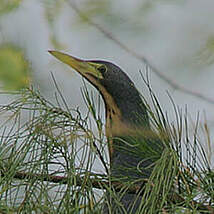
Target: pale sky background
169 36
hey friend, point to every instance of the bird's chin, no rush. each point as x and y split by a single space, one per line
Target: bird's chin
91 78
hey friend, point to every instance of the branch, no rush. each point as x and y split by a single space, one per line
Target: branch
98 183
102 184
140 57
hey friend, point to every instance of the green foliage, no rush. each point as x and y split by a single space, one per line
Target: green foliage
14 68
206 53
8 5
46 144
47 161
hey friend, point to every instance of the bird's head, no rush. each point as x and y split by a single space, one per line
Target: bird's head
118 91
99 73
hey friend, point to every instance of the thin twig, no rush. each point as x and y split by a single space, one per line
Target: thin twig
140 57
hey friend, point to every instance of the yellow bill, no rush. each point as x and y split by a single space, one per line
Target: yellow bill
82 66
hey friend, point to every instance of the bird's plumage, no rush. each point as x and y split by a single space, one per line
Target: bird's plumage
133 146
124 94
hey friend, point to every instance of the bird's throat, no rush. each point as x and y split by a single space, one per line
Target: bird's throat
115 127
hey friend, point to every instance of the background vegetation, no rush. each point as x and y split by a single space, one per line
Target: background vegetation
53 156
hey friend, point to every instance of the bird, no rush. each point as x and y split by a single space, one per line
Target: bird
133 146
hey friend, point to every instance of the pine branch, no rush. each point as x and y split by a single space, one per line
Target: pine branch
46 145
102 184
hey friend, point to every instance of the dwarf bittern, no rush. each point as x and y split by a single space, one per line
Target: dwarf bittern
127 125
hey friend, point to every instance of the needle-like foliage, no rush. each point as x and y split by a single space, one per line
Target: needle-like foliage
52 162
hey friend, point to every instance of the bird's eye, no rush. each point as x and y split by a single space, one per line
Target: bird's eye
102 69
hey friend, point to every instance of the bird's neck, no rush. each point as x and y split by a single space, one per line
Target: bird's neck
126 119
126 115
118 126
